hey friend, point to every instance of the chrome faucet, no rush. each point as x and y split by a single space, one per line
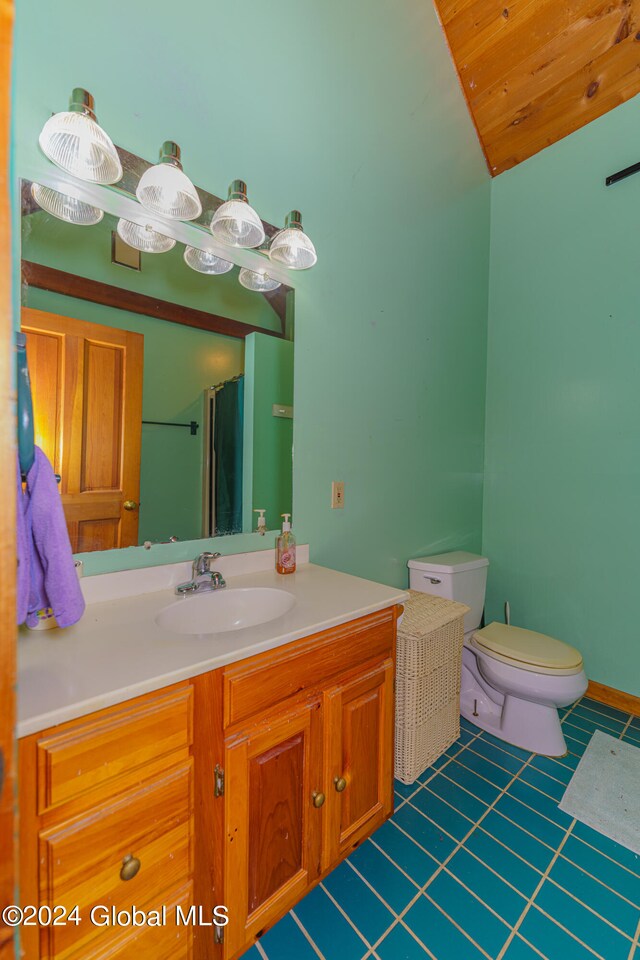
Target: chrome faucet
202 577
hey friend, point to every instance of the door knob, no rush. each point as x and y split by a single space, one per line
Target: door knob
318 798
339 783
130 866
130 505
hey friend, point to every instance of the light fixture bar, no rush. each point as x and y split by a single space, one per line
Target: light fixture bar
119 200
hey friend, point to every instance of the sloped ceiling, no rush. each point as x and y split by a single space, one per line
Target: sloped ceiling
534 71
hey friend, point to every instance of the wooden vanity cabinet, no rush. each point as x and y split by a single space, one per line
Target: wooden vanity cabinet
307 758
242 787
106 820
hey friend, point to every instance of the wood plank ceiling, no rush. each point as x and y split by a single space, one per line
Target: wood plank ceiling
534 71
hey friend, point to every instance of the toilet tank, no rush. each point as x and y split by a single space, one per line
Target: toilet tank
457 576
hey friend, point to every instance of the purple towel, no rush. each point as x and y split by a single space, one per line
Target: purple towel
53 582
22 547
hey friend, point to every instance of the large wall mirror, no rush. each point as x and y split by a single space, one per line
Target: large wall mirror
163 397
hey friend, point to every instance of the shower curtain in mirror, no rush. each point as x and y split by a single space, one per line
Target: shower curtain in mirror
227 440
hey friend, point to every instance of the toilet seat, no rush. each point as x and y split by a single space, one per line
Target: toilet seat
527 650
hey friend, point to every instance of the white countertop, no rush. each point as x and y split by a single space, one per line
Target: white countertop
117 651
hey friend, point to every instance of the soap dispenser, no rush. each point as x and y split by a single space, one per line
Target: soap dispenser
262 523
286 548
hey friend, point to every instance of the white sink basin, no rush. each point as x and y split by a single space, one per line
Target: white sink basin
225 609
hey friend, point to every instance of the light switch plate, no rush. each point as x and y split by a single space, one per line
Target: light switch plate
282 410
337 495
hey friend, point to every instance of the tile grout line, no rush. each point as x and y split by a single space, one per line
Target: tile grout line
443 865
455 877
487 866
518 923
394 913
514 757
486 760
261 950
606 856
423 783
586 906
573 722
532 946
479 898
634 945
308 936
623 713
507 753
626 727
345 915
419 845
569 933
597 879
521 802
531 785
570 710
395 864
437 770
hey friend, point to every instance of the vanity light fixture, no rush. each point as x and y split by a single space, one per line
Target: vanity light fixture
64 207
257 280
235 222
292 246
166 190
74 141
144 238
205 261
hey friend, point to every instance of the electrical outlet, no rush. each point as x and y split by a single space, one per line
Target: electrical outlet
337 495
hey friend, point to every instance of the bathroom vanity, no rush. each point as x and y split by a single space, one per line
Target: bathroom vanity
240 784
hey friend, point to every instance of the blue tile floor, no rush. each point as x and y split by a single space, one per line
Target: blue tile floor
479 862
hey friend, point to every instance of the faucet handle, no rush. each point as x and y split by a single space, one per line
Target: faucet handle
202 561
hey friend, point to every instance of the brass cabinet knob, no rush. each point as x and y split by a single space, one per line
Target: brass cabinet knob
130 866
339 783
130 505
318 798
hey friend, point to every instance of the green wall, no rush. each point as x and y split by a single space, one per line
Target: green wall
268 440
352 113
562 501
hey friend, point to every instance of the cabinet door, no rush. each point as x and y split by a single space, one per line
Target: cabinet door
273 816
359 714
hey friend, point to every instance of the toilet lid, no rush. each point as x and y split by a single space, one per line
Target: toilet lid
527 647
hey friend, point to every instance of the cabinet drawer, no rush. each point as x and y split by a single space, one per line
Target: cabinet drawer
168 942
106 753
257 684
81 859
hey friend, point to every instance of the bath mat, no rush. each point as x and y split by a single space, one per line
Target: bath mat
604 790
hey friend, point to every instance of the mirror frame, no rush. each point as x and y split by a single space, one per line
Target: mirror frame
119 202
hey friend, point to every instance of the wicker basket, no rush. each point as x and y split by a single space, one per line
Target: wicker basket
428 666
428 740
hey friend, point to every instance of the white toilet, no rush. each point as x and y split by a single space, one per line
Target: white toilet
513 680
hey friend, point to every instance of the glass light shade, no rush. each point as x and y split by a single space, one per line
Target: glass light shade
74 141
235 222
144 238
166 190
204 261
291 247
257 280
64 207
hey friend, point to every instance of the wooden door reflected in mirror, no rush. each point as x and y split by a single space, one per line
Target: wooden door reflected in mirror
86 383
